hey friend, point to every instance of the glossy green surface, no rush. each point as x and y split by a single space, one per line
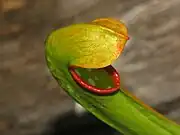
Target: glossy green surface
120 110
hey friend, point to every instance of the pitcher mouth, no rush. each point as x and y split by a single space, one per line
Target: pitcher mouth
112 76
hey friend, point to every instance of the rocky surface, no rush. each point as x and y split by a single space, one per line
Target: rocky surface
29 96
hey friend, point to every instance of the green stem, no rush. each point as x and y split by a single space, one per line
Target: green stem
133 118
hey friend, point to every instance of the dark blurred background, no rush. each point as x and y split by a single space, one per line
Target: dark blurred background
31 103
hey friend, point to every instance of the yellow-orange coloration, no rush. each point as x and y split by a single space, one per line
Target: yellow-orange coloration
118 28
108 38
114 25
96 45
